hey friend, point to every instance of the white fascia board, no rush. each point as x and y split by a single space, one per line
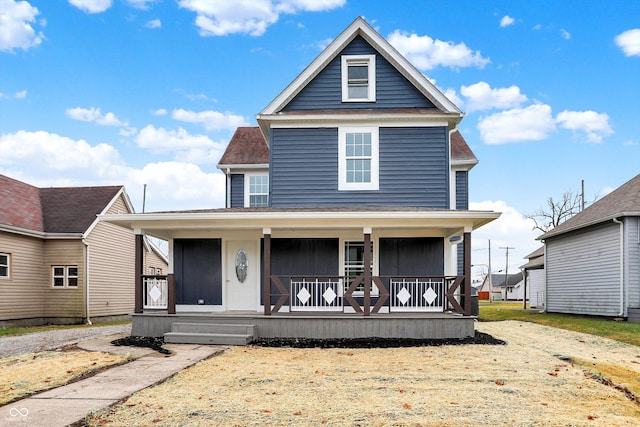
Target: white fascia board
463 165
40 234
243 167
127 202
364 119
362 28
551 233
301 219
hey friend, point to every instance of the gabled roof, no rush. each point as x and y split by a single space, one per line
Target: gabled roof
624 201
247 147
361 28
536 259
52 210
74 209
497 280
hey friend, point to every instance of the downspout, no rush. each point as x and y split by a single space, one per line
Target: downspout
86 281
544 302
617 221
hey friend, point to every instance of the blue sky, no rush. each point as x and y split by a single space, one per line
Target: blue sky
134 92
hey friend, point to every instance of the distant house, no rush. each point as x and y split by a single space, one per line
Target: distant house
348 201
592 261
513 291
534 277
58 263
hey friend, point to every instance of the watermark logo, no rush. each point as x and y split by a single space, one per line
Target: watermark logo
18 412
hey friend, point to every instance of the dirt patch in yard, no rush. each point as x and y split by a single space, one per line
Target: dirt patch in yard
530 381
30 373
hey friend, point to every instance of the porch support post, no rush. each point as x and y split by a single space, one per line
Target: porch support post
266 273
171 293
139 262
466 260
367 271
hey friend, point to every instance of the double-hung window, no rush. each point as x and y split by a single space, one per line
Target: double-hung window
5 268
64 276
256 192
358 158
358 78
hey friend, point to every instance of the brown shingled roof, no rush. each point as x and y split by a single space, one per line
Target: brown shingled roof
20 205
74 209
52 210
625 200
247 147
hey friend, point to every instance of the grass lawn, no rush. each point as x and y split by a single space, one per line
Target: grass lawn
608 328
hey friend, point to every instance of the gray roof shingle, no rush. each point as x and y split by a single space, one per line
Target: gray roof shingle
624 201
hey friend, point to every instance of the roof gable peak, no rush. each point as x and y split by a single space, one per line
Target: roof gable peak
359 27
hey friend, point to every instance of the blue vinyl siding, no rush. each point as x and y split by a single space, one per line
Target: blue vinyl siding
393 90
413 168
462 190
237 191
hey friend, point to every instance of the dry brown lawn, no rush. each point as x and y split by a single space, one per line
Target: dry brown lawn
542 377
29 373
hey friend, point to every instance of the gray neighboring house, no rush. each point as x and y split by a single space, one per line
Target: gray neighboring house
534 277
592 261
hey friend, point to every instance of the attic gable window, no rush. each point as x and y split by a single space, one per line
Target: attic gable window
358 78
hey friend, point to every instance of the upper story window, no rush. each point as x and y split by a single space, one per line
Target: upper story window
358 78
64 276
256 191
5 271
358 158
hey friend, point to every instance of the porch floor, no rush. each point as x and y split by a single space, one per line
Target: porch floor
317 325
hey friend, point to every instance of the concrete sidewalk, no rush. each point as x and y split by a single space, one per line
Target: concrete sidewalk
69 404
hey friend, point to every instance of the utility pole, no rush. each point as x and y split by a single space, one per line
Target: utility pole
506 271
490 282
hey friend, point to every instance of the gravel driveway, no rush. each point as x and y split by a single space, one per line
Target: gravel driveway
55 339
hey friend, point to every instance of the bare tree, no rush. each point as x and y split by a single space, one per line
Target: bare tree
556 211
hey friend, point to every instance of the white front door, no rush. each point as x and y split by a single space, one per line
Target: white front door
242 275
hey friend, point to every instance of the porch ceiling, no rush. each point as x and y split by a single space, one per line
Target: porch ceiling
166 224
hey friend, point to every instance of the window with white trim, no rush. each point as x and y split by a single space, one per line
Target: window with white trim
358 78
256 190
64 276
358 158
5 268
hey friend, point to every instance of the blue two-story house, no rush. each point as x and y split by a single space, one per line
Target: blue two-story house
346 214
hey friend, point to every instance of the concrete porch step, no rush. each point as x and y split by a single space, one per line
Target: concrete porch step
204 338
210 333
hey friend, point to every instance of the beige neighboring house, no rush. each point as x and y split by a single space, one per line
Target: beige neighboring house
58 263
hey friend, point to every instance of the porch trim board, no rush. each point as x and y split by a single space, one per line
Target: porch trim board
316 326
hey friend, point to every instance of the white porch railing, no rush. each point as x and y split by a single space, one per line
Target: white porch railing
422 294
316 294
155 292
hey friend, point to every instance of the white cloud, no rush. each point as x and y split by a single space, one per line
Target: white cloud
512 230
594 125
481 96
453 97
159 112
426 53
629 42
153 24
222 17
21 95
45 159
193 148
16 30
140 4
38 152
506 21
211 120
537 27
91 6
93 114
565 34
532 123
630 143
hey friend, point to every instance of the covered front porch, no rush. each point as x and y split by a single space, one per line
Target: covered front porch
334 273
